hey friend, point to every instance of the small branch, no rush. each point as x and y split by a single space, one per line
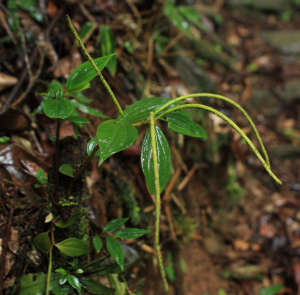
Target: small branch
158 201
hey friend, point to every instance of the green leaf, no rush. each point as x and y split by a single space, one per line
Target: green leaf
58 289
42 242
33 284
97 242
164 160
73 247
86 73
115 136
58 108
61 271
74 282
180 122
66 170
87 30
91 145
141 109
63 279
95 287
67 223
108 46
41 176
77 119
115 249
114 225
272 290
86 109
130 233
80 97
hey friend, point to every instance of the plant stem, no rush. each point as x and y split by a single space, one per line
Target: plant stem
95 67
48 285
158 201
56 161
229 101
234 125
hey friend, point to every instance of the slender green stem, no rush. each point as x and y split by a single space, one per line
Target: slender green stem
158 200
229 101
95 67
48 284
56 162
234 125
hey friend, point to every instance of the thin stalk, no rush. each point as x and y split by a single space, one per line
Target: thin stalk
95 67
229 101
234 125
56 161
158 201
48 285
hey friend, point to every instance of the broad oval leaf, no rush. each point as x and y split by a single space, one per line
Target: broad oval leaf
108 46
115 136
58 108
66 170
33 284
42 242
74 282
72 247
61 271
164 160
130 233
97 242
95 287
115 224
141 109
85 73
180 122
115 249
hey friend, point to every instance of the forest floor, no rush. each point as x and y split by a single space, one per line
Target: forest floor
227 227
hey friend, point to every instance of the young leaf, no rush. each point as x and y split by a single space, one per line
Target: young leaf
91 145
58 108
130 233
180 122
42 242
114 225
108 46
141 109
69 222
74 282
86 109
33 284
164 160
66 170
41 176
61 271
86 73
97 242
73 247
115 136
115 249
63 279
96 288
58 289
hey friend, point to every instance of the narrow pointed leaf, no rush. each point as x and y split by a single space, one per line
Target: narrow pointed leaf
85 73
115 136
164 160
86 109
115 249
42 242
77 119
73 247
130 233
67 223
97 242
115 224
58 108
141 109
95 287
180 122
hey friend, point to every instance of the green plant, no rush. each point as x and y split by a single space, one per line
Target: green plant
114 135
